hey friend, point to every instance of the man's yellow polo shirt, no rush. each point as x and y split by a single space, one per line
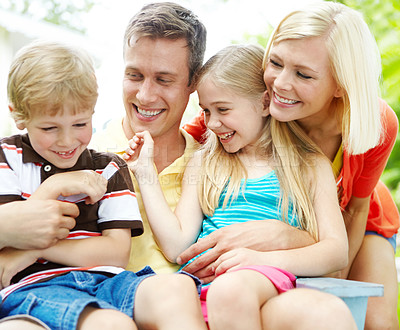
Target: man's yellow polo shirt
144 249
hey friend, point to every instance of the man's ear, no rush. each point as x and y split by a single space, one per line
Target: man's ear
20 125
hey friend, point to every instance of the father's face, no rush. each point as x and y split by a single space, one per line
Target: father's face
155 85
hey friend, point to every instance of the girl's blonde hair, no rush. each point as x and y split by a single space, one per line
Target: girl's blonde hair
239 68
44 75
355 65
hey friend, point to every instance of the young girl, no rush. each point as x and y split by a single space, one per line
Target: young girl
252 167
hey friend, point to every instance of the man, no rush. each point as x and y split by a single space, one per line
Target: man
164 47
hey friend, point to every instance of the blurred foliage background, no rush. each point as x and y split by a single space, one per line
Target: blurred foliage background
383 18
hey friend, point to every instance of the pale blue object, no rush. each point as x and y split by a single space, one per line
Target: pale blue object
354 293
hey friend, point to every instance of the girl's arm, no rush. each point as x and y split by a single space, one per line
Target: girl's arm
329 254
174 231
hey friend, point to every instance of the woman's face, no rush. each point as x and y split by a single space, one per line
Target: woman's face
299 80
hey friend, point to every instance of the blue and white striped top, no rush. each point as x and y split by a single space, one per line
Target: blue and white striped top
260 201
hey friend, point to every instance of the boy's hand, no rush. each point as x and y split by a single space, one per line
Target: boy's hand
66 184
12 261
140 154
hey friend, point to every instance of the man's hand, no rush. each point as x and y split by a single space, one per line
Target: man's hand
35 224
268 235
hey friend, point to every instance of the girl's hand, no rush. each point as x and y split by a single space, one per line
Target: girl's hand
140 155
86 182
235 259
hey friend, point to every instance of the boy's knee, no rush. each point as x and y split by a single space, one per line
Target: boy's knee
95 318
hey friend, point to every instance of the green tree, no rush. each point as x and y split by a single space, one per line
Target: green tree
67 13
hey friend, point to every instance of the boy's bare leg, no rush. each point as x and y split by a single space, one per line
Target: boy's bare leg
95 318
168 302
20 324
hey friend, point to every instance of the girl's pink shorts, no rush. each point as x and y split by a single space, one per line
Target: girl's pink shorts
281 279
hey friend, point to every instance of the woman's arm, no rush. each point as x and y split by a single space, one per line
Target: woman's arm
174 231
355 218
267 235
329 254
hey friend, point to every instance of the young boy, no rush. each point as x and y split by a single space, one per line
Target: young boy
79 282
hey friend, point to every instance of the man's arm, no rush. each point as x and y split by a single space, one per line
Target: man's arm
265 236
35 224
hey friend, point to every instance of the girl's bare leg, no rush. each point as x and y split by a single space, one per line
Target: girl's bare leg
168 302
234 300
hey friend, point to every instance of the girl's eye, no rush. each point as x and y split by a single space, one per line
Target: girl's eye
274 63
80 125
223 109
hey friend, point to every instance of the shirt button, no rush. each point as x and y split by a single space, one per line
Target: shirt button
47 168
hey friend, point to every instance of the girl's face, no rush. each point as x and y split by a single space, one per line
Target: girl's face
237 121
300 81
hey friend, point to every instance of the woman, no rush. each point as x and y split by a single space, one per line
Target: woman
322 69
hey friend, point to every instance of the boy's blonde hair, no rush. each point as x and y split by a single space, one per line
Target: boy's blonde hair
355 65
239 69
44 75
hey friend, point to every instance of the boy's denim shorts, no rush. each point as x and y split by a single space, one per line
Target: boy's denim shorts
59 301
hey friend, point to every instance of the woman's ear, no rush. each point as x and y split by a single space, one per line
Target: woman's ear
20 125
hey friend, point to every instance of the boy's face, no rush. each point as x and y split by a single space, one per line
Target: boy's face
60 138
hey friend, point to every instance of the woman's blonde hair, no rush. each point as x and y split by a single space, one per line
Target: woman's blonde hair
355 65
239 69
44 75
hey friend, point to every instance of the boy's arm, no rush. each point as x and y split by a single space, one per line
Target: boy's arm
110 249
